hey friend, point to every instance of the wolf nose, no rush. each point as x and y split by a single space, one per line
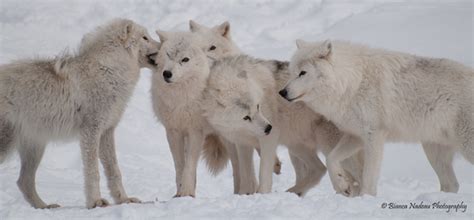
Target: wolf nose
151 55
268 129
283 93
167 74
151 59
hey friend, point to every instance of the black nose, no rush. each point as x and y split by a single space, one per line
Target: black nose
167 74
268 129
283 93
151 59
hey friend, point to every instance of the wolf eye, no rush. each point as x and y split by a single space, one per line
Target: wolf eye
184 60
247 118
212 47
145 38
302 73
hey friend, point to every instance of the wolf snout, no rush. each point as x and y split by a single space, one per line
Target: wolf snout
283 93
167 75
268 129
151 58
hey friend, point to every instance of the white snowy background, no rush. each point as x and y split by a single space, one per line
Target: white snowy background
262 28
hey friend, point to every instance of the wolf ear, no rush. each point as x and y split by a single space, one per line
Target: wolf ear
325 50
242 74
301 43
126 31
223 29
194 26
163 36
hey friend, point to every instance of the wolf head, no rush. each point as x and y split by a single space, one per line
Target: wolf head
216 41
180 58
311 72
233 100
123 33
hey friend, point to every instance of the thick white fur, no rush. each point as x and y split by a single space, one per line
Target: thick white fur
254 96
217 43
176 102
375 95
197 46
74 96
242 86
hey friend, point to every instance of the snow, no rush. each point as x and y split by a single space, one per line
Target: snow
263 28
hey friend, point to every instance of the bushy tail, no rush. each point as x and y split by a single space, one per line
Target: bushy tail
6 140
215 154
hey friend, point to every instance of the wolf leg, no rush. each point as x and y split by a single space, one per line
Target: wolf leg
31 155
90 139
341 180
315 170
441 159
108 158
176 144
6 139
268 146
373 153
248 182
276 166
193 151
466 131
298 166
234 159
353 166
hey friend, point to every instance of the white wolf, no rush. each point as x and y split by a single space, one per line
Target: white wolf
217 43
242 104
374 95
177 85
204 43
82 95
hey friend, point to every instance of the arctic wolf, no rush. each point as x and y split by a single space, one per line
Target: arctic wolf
177 85
82 95
217 43
242 104
374 95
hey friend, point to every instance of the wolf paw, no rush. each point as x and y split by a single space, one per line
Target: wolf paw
296 190
130 200
50 206
247 189
98 203
182 194
264 190
346 185
246 192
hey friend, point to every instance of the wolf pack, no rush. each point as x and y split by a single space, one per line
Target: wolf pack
341 99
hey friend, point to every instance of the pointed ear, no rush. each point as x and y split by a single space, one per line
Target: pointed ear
126 32
326 50
194 26
164 36
223 29
242 74
301 43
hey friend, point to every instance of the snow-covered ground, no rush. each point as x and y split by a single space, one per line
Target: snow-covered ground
263 28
